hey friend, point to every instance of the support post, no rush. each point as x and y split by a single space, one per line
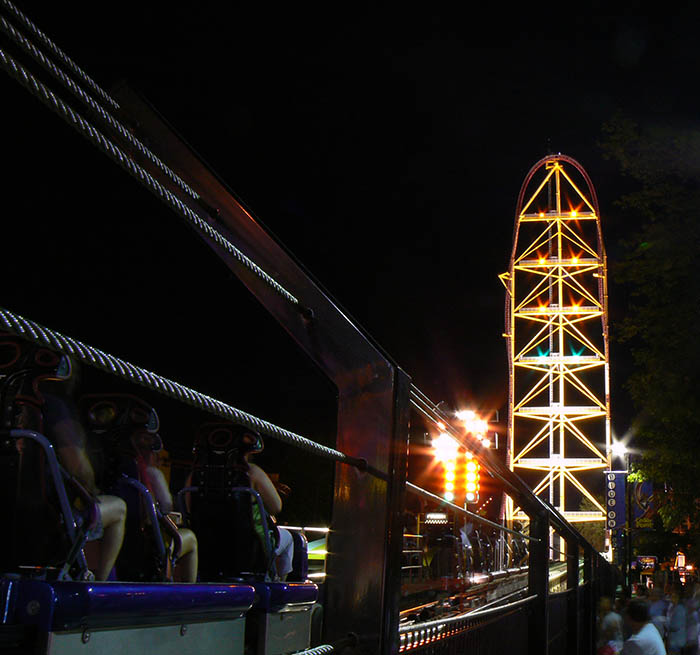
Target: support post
538 584
397 474
588 636
572 604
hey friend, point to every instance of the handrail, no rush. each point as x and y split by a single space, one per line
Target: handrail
465 512
436 623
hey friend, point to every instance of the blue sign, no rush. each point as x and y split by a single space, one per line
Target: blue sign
615 506
643 507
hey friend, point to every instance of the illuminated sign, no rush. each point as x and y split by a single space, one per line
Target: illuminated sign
615 505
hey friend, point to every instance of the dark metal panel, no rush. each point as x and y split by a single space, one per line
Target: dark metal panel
396 503
572 610
588 612
557 623
538 584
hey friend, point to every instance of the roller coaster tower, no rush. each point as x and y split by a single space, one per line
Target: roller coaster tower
557 340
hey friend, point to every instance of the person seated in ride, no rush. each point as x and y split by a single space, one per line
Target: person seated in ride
227 446
64 429
127 429
260 482
146 445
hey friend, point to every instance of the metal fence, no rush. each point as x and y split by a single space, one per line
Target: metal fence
491 631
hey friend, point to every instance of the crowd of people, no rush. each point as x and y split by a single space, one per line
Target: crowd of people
660 623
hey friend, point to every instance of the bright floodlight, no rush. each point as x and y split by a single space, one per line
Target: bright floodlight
619 449
446 448
472 423
480 426
466 414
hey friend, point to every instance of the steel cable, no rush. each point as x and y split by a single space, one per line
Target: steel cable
45 95
325 649
106 117
62 56
39 334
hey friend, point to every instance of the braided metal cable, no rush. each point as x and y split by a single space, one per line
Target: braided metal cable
39 334
45 95
106 117
59 53
325 649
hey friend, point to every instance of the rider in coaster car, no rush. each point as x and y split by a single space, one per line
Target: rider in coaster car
260 481
146 445
133 425
64 430
235 445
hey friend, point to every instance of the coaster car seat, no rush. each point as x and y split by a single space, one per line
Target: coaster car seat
236 537
151 541
37 494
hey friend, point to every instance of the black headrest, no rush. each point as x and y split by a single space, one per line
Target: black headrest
120 415
227 441
36 366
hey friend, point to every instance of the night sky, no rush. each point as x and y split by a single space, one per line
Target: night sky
384 148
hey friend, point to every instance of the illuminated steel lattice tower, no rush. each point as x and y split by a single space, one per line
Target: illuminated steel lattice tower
557 336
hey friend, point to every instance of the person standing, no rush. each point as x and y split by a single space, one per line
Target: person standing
677 623
691 624
644 638
609 628
658 611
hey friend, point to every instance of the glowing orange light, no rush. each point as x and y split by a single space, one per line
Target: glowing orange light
471 486
471 465
574 212
574 260
542 260
541 214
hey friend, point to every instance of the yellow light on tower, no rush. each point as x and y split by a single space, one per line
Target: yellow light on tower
448 485
471 486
